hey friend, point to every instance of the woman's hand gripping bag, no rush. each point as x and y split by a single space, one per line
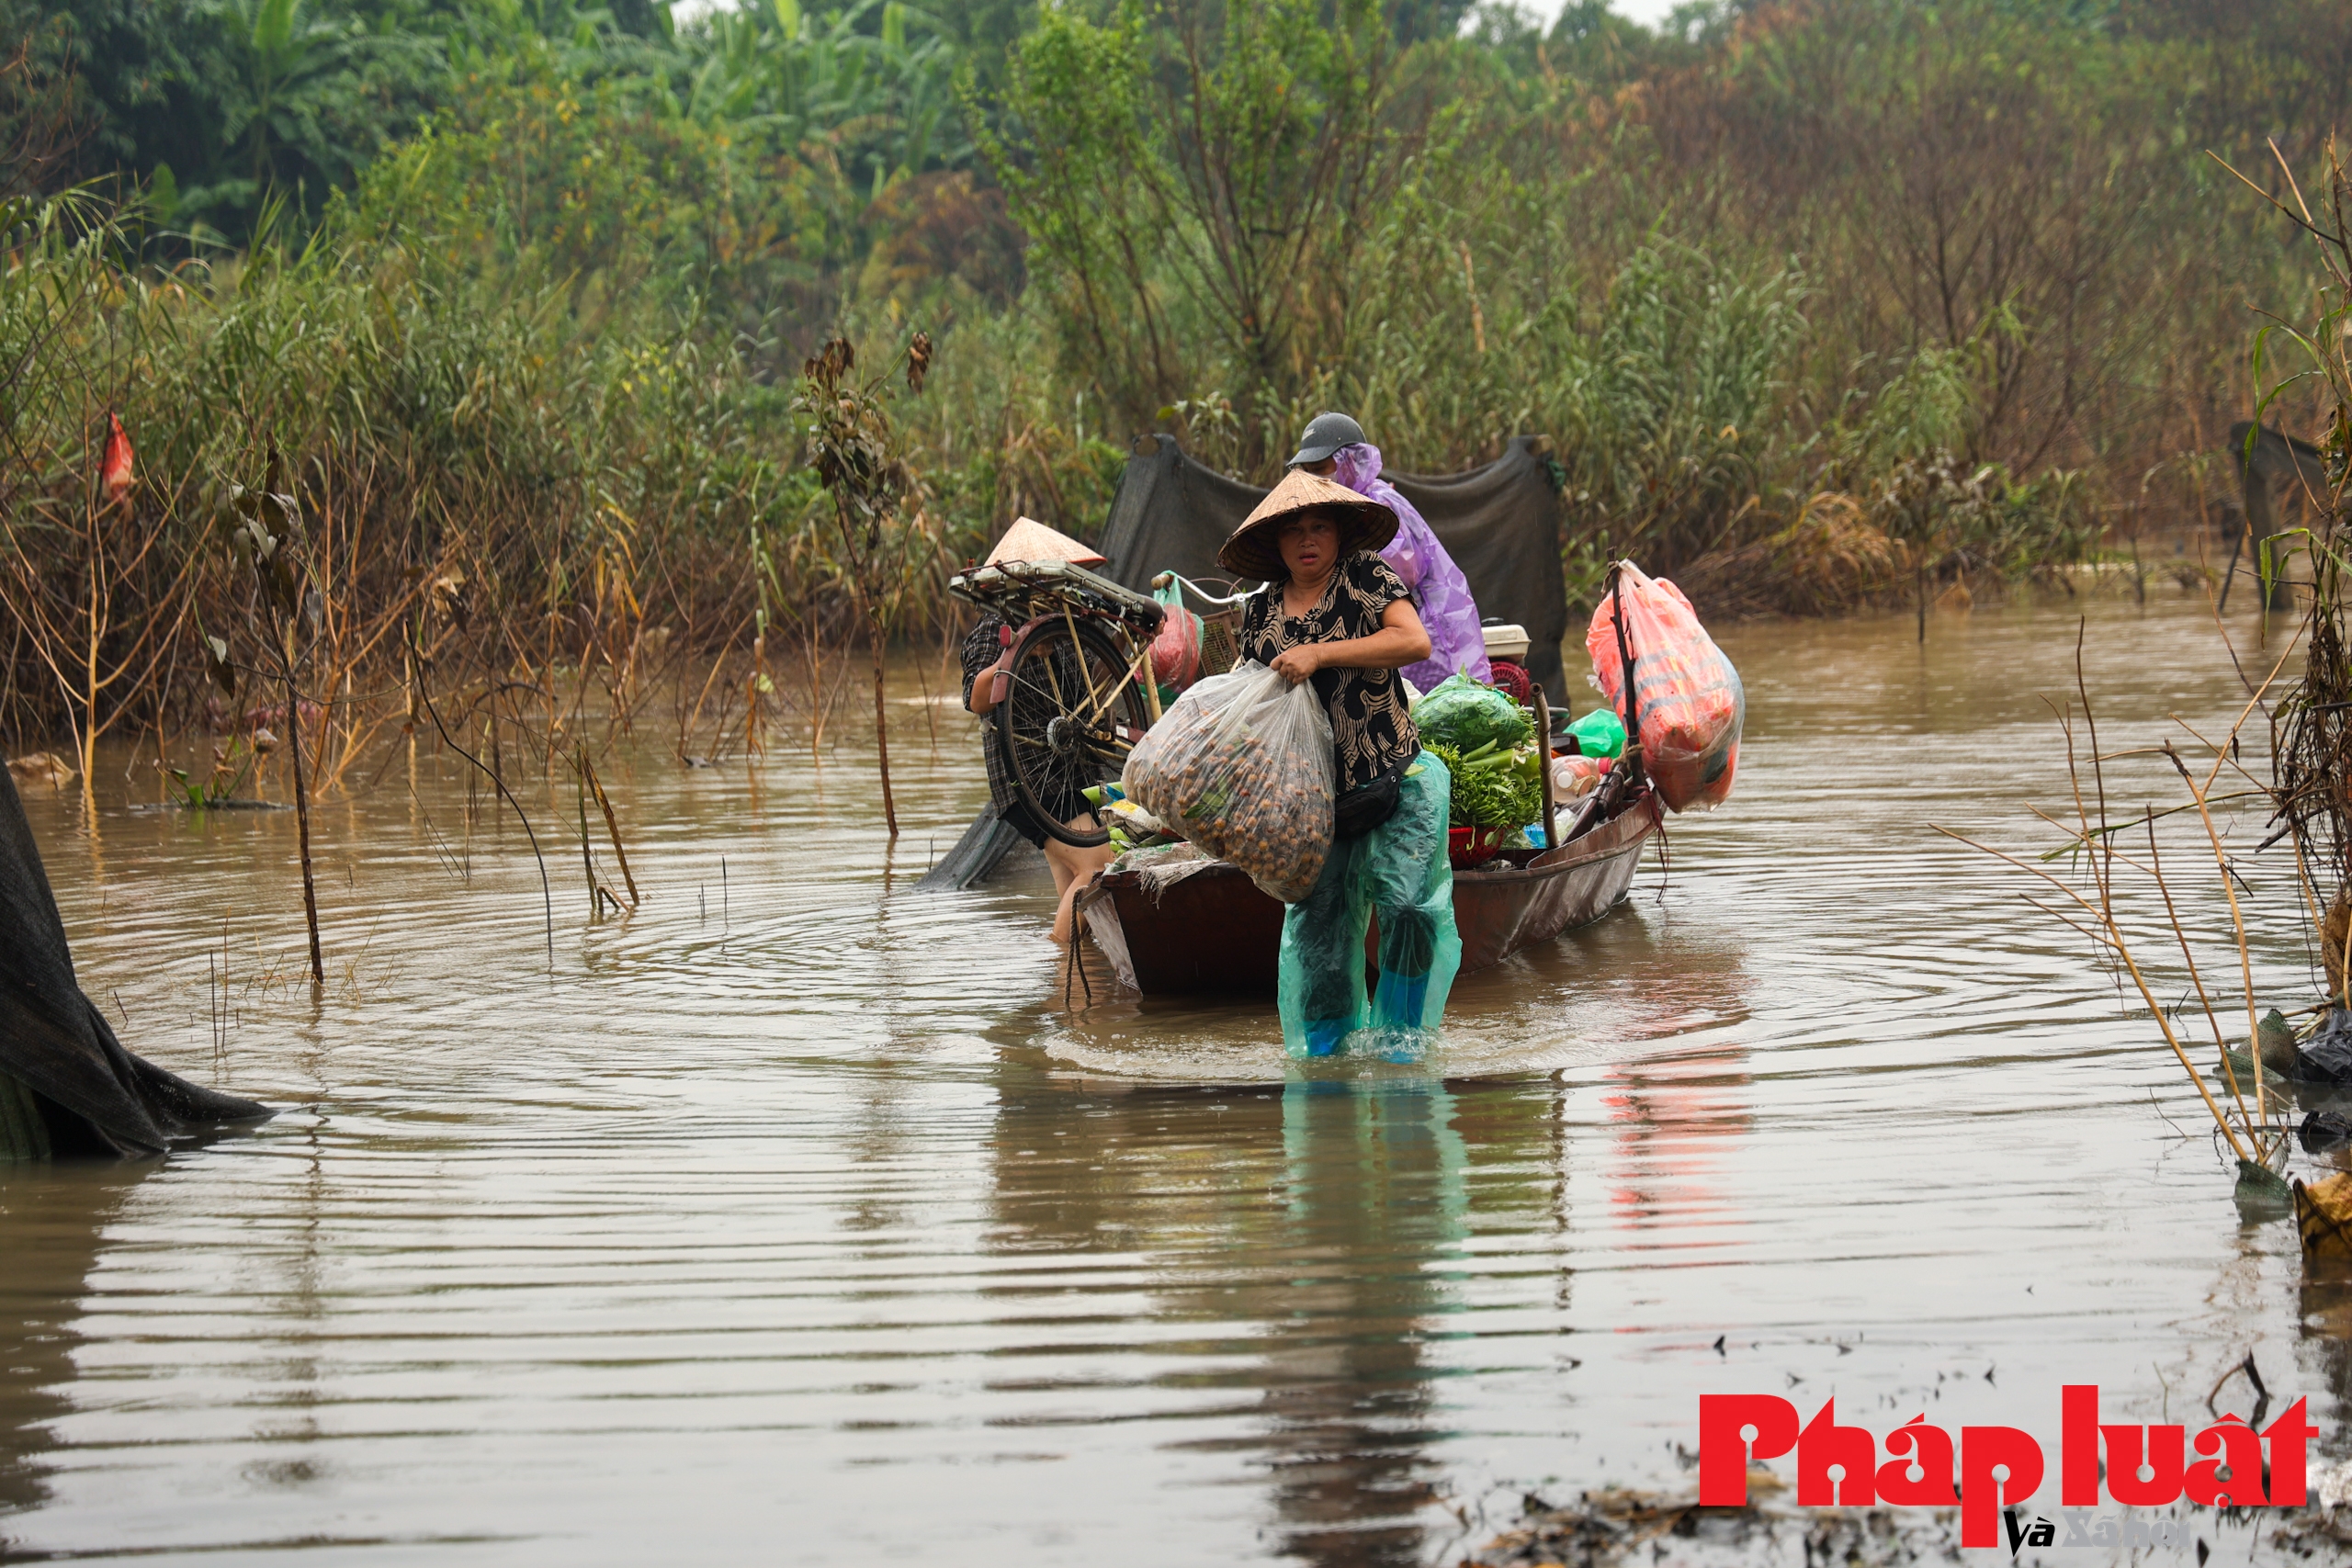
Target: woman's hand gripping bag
1241 766
1689 704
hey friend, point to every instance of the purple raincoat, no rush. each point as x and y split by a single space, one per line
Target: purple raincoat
1440 593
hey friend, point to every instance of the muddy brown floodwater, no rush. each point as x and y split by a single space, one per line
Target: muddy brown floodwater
792 1218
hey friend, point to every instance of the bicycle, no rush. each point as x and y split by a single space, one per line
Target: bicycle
1078 690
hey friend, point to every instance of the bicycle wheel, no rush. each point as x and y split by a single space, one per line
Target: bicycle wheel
1070 714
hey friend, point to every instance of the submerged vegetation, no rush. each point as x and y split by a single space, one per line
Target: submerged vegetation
1820 302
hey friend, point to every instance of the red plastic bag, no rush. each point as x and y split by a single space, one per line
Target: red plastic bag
1176 651
1688 700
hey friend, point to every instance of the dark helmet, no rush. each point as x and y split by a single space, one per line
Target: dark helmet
1326 434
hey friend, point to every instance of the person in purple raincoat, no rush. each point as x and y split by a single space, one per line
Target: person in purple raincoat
1334 446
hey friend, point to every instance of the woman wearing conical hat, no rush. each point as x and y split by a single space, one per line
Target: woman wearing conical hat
1333 613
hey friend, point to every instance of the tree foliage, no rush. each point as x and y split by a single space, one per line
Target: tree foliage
1822 292
1206 173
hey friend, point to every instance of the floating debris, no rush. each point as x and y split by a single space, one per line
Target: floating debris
42 768
1616 1525
2324 1130
2324 1218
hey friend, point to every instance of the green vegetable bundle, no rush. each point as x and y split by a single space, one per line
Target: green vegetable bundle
1465 713
1494 787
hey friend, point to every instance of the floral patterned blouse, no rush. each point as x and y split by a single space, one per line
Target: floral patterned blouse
1370 731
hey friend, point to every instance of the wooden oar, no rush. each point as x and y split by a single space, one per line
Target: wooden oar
1543 758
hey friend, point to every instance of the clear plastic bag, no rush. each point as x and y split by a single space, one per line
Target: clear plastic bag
1688 700
1573 778
1241 766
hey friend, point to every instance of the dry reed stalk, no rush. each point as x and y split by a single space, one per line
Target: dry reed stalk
2200 793
2110 936
587 862
689 722
2229 1070
2335 947
818 706
546 892
302 812
611 826
2254 1137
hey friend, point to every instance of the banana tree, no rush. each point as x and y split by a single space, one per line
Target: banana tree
290 65
869 89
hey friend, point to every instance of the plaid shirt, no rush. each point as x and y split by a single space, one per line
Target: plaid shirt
983 647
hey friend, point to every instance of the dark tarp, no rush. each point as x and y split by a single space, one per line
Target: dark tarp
1501 525
2281 467
92 1097
975 855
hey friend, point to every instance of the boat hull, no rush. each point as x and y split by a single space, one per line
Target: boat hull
1213 933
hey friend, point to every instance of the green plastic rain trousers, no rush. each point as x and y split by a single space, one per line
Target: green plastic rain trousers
1400 872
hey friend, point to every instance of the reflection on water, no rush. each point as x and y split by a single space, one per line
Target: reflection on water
794 1216
1672 1118
53 1218
1333 1227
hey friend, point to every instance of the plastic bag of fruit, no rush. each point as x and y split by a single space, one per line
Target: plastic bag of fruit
1241 766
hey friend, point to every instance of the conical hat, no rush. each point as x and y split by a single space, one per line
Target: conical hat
1254 550
1030 540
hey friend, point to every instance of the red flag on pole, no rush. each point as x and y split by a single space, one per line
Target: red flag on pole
113 473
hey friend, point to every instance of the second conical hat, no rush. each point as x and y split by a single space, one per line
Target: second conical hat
1030 540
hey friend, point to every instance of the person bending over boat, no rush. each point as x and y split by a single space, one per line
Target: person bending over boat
1333 613
986 651
1334 446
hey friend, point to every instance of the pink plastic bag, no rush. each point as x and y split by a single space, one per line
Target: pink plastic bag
1176 651
1689 702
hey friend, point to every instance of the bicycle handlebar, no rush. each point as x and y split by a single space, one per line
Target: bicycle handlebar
1202 595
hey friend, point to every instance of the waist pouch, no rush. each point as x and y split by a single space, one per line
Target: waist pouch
1366 807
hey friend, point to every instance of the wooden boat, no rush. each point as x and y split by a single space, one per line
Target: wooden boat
1214 932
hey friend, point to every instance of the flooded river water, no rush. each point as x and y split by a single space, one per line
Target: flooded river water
793 1218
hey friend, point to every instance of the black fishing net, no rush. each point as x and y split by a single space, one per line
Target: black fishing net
90 1096
986 845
